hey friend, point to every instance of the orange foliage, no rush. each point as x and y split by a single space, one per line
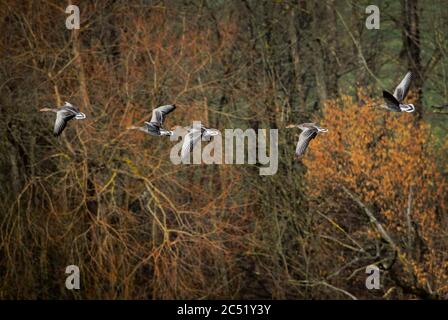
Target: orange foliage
382 157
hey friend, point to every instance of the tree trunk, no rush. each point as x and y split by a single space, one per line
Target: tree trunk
296 90
318 54
411 49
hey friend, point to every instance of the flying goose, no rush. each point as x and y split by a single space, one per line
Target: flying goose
63 115
309 132
394 102
154 126
192 137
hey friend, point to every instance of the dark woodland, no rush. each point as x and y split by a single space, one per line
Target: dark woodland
372 190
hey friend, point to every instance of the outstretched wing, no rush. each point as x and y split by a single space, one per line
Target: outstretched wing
391 101
402 89
190 139
304 139
70 107
62 117
158 114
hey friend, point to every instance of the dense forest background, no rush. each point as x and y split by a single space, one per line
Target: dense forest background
373 190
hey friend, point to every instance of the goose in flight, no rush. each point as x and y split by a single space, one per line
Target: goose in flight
154 126
394 102
63 115
195 134
309 132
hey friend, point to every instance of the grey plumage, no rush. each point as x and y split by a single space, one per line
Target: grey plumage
309 132
391 102
154 126
193 136
63 115
401 91
304 139
394 102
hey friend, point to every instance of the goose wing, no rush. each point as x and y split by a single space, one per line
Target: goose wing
158 114
70 108
391 102
190 139
402 89
304 139
62 117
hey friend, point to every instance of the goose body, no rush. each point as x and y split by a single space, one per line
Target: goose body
194 135
309 132
63 115
394 102
154 126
